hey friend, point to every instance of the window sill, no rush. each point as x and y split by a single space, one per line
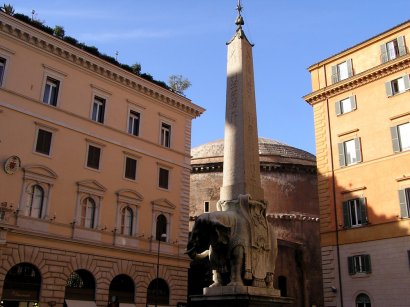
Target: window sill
360 275
42 155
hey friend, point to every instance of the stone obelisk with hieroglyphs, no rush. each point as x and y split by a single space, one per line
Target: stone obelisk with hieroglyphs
241 174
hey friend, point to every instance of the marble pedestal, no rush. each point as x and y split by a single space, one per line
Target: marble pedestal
239 296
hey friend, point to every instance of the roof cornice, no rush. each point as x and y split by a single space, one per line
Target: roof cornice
52 45
358 80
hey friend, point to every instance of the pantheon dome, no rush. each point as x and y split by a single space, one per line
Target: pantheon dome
288 178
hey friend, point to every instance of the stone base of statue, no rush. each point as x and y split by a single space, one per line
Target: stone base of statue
239 296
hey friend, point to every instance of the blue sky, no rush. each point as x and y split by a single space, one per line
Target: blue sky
187 37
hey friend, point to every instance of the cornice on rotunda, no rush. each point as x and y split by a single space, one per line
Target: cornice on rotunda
52 45
358 80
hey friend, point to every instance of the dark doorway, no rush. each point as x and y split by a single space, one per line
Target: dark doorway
158 292
122 286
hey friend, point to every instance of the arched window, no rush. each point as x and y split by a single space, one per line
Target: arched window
122 287
35 201
158 293
80 286
88 208
161 228
363 300
127 217
22 283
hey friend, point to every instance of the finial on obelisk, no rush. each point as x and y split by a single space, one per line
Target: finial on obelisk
239 20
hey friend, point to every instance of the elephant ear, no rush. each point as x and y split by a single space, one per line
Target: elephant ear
222 233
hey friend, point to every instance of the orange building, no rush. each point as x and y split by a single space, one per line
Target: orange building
94 191
360 99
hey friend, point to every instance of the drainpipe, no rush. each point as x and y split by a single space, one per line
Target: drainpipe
334 197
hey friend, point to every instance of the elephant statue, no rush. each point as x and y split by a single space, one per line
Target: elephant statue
238 241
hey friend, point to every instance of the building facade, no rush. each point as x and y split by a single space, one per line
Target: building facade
360 98
94 186
288 178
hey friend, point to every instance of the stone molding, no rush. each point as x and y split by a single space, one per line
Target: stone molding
358 80
52 45
264 168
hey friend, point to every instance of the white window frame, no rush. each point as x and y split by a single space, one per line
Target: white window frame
346 153
54 75
128 199
355 212
398 85
404 201
342 71
6 54
101 105
93 220
388 53
359 264
132 109
54 85
4 65
165 207
401 137
346 105
166 134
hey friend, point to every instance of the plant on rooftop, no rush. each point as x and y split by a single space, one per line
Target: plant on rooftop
178 83
59 31
8 9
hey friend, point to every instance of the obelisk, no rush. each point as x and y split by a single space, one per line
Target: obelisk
241 174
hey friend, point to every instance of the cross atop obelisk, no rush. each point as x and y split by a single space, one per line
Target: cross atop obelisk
241 174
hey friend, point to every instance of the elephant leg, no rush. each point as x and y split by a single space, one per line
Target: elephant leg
216 278
237 259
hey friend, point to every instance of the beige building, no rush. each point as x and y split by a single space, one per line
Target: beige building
288 178
96 174
360 99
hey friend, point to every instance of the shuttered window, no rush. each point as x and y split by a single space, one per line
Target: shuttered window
393 49
400 137
397 86
354 212
404 199
350 152
93 157
342 71
43 144
130 168
359 264
345 105
163 181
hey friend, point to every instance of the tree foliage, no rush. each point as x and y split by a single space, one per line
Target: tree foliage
8 9
178 83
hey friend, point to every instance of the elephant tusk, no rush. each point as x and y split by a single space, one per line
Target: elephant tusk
202 255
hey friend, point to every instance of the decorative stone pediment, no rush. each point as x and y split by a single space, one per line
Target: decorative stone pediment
40 173
163 204
91 186
129 196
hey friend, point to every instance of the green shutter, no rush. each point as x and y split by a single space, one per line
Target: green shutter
367 264
346 215
401 45
383 51
395 138
358 149
335 75
350 265
363 210
406 79
349 67
404 211
342 160
389 89
338 108
353 102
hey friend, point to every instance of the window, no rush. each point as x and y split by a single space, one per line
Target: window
2 69
163 181
93 157
130 168
88 209
400 137
51 91
35 201
342 71
345 105
359 264
397 86
206 206
404 198
350 152
134 123
161 228
393 49
165 135
43 142
127 218
355 212
98 109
